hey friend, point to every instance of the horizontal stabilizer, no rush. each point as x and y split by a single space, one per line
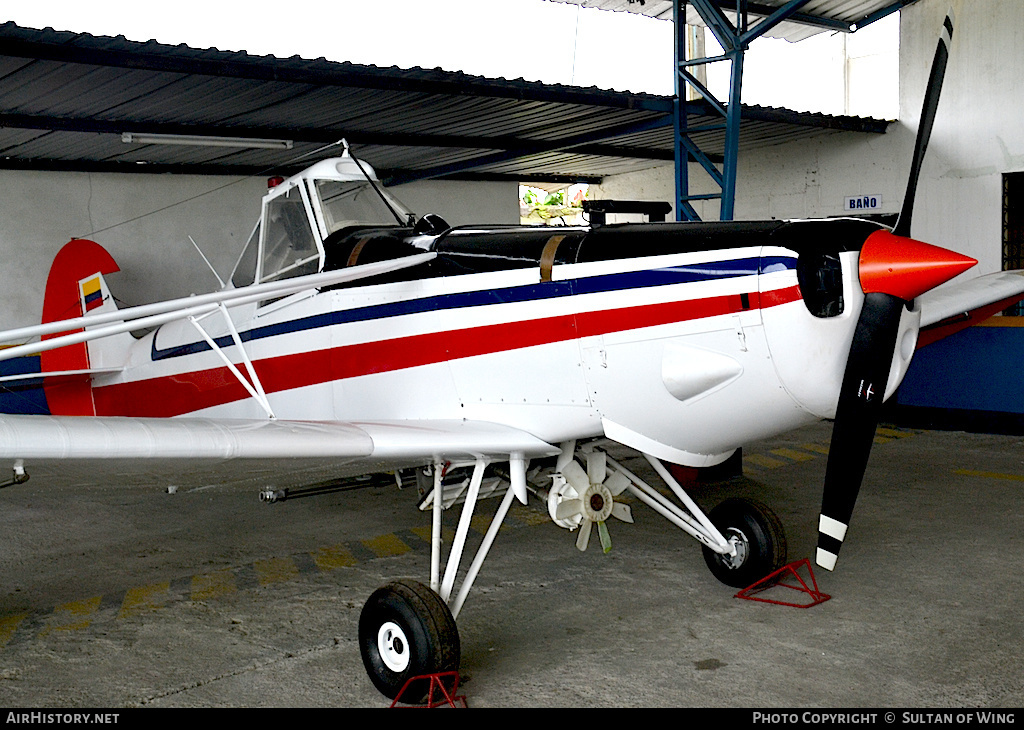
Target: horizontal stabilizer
60 375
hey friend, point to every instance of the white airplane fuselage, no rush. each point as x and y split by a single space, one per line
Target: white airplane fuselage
685 356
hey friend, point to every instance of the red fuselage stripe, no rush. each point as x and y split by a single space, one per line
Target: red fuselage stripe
174 395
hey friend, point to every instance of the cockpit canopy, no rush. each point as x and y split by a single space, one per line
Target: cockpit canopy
302 211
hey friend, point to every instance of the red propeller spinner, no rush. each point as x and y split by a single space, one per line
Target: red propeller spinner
905 268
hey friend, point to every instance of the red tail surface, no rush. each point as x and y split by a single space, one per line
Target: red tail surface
77 260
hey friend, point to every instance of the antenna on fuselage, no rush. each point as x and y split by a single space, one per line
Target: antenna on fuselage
219 280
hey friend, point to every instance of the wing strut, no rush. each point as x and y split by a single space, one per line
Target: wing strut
253 385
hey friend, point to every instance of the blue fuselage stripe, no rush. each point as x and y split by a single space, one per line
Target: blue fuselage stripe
715 270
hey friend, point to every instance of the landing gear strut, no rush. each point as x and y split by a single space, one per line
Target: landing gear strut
407 629
742 540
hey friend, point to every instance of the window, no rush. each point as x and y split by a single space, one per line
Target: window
357 203
1013 229
289 246
244 272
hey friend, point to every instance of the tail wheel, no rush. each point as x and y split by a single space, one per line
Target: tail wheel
406 630
759 539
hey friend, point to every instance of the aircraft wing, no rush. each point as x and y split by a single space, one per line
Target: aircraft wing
951 308
196 449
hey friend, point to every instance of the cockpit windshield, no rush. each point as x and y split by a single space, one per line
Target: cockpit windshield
357 203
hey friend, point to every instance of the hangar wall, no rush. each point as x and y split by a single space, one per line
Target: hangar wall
129 214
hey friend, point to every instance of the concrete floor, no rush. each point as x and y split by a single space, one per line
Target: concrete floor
114 596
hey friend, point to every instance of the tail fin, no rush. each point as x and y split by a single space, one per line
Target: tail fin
75 287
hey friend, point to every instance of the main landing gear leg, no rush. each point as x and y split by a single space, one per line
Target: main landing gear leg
742 540
407 629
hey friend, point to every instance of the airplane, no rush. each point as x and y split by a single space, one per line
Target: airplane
497 359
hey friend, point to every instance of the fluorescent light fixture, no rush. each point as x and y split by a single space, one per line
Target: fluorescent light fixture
200 141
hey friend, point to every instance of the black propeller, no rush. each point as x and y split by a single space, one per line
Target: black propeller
893 269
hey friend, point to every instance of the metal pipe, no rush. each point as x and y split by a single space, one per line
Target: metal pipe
455 556
435 531
485 546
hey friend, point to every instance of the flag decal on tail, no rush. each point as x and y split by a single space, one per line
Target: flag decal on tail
92 294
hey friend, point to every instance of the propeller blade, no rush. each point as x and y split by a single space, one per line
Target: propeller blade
924 128
597 462
583 539
576 477
569 508
893 270
606 539
860 400
623 512
617 483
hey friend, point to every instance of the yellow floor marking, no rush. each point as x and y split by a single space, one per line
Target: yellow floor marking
386 546
762 460
213 585
73 616
892 433
529 516
337 556
480 523
423 531
792 454
989 475
144 598
8 625
275 570
882 440
816 448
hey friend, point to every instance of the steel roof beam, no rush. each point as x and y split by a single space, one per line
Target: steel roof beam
255 170
396 139
169 59
883 12
575 143
767 11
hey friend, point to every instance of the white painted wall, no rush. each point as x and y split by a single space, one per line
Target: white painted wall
979 132
131 217
808 179
978 136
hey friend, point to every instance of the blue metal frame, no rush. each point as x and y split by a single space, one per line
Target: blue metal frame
734 39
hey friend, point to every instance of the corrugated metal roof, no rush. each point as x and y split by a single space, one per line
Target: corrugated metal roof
66 98
815 17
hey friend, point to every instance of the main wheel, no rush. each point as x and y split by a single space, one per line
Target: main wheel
759 538
406 630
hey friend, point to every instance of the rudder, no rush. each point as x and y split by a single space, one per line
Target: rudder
74 287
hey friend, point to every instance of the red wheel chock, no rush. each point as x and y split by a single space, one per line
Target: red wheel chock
775 580
437 682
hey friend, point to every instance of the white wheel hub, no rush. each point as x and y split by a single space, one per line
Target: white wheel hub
393 647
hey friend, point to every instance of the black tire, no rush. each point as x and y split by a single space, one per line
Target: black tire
760 535
406 630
